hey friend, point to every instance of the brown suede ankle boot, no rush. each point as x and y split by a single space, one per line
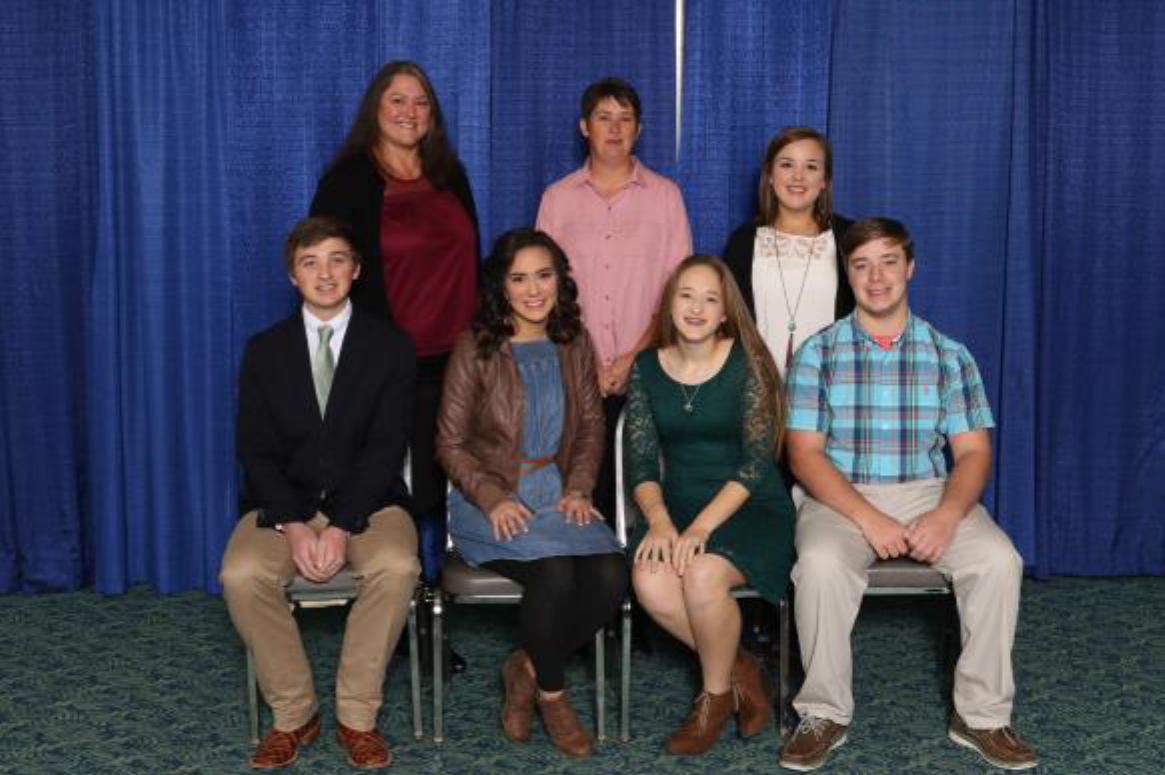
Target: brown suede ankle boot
521 691
705 721
563 727
751 686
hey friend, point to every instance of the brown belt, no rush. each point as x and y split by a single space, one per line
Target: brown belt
532 464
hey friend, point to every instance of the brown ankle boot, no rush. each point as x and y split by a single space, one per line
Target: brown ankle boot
701 729
521 691
750 684
563 727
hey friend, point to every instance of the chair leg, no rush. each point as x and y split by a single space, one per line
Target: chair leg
625 675
253 697
415 669
600 686
783 673
437 624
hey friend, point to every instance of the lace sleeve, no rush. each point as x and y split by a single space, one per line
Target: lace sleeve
756 433
640 439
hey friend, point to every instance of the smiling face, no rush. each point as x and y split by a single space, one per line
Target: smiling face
405 112
697 308
879 272
797 175
531 288
324 273
611 131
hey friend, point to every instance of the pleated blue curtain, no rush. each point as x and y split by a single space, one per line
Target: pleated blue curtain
750 69
922 116
1101 330
544 54
158 334
155 154
47 179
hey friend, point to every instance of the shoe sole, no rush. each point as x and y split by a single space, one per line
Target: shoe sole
967 742
810 766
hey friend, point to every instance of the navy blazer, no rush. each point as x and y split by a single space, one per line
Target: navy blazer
346 464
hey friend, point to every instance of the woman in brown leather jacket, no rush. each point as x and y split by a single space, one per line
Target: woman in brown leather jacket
520 434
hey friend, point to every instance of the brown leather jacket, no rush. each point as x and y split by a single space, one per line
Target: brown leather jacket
479 429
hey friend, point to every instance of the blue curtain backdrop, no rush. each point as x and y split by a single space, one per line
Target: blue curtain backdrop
750 69
543 56
155 153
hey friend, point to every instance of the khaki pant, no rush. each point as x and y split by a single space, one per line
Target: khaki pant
830 579
256 568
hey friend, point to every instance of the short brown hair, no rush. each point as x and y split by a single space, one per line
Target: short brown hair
870 229
615 88
313 231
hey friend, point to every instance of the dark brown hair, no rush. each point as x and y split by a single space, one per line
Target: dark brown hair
616 88
438 159
313 231
767 205
493 323
870 229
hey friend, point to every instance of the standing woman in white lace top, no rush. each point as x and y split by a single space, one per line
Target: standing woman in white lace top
787 262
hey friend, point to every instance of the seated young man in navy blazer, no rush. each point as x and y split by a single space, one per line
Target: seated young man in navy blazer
323 423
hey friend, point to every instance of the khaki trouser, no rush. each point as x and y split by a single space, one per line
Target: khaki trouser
256 568
830 579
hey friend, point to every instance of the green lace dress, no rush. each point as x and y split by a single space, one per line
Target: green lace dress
727 435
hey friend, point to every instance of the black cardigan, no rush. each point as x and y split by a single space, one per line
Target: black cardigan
738 256
353 191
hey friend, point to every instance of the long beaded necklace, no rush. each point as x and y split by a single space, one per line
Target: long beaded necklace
792 310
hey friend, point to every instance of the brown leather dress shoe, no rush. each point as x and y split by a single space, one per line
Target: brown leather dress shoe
1001 746
279 749
366 750
563 727
705 721
521 693
751 687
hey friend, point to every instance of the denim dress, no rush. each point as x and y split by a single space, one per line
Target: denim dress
550 534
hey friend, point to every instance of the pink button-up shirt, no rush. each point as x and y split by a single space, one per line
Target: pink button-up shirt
621 250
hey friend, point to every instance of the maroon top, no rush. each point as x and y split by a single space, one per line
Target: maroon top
427 251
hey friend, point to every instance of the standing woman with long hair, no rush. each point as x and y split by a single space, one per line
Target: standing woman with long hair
705 417
788 262
397 181
521 435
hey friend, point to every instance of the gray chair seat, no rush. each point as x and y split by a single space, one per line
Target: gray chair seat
459 579
904 576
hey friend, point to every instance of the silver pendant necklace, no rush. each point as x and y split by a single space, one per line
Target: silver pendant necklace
690 400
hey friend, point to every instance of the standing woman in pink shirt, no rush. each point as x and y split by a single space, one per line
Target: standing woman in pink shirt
398 182
624 229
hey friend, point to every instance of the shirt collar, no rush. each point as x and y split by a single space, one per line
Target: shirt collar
637 177
338 323
861 334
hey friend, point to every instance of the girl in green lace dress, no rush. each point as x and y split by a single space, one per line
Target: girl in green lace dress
705 415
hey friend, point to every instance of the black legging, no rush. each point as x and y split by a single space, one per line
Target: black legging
565 602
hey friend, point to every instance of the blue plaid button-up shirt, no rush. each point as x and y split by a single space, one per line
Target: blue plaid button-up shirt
886 414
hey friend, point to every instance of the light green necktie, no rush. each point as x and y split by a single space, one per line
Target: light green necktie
323 368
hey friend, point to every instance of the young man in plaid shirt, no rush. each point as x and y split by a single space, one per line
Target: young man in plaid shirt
873 401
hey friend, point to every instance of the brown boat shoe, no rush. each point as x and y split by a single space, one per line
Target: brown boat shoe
1000 746
810 744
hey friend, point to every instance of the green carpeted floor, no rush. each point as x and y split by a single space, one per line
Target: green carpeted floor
147 684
